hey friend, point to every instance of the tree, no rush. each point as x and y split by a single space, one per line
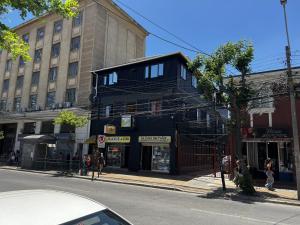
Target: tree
10 41
71 119
234 93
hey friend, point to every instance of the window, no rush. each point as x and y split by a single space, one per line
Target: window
112 78
29 128
47 127
32 101
53 74
38 55
156 108
20 81
58 25
71 95
107 110
157 70
8 65
147 72
50 99
73 69
194 82
5 85
17 104
35 78
183 72
75 44
2 105
25 38
55 50
77 20
105 80
40 33
21 62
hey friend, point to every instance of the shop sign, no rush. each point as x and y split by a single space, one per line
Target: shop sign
118 139
155 139
101 141
126 121
109 129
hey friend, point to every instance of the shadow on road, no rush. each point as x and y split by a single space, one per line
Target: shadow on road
237 195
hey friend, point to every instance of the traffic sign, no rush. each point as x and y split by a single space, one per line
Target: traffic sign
101 141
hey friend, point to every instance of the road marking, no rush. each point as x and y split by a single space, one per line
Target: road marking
238 217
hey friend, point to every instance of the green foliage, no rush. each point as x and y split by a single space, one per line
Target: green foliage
211 72
70 118
10 41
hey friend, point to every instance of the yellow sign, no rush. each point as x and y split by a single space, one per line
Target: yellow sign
109 129
118 139
155 139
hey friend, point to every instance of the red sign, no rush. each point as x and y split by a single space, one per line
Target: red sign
101 141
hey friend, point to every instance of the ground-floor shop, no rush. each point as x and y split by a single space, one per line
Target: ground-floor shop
256 151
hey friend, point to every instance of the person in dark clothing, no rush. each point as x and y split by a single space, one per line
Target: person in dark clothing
101 163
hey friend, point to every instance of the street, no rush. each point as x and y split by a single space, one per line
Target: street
148 206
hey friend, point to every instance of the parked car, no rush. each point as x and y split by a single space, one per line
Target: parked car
48 207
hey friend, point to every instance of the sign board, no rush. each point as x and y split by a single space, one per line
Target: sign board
155 139
126 121
109 129
118 139
101 141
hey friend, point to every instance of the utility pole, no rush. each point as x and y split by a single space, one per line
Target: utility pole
293 101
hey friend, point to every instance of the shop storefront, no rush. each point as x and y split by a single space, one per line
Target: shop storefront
155 153
273 144
117 151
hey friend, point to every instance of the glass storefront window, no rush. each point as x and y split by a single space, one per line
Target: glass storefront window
114 154
161 158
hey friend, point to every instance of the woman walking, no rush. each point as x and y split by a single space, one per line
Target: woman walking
269 173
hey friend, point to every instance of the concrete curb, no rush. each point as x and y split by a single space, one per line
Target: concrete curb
199 191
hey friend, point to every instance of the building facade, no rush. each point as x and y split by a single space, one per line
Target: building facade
153 116
63 52
268 129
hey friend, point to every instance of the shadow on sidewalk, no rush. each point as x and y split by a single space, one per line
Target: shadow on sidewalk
237 195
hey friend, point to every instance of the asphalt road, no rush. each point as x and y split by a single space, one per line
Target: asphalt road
148 206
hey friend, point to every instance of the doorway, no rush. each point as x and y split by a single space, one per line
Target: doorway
146 157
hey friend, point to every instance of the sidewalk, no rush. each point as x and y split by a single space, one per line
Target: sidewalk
206 186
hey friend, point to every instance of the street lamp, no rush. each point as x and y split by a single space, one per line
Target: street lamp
293 101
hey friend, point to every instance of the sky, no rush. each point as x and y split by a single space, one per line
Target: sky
207 24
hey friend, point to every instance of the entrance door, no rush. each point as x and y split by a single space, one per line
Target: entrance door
146 157
262 155
273 154
125 157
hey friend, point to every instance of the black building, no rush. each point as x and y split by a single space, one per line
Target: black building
152 115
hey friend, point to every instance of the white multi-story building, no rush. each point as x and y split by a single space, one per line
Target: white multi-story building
63 52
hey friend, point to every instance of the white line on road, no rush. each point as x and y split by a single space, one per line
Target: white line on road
239 217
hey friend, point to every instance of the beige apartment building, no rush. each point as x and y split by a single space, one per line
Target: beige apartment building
63 52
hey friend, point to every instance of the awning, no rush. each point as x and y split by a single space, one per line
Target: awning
38 139
91 140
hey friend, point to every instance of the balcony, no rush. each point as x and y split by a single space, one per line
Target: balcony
72 81
51 85
76 31
18 92
56 38
39 44
54 61
34 89
74 56
36 66
21 70
6 74
4 94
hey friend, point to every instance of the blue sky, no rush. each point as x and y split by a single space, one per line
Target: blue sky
208 24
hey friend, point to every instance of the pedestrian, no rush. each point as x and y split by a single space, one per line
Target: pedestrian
101 163
269 174
237 173
88 164
84 166
18 157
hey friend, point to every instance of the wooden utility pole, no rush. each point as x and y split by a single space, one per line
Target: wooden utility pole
293 102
